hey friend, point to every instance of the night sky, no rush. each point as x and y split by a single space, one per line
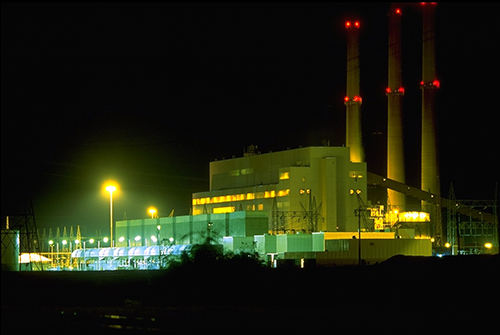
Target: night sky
149 94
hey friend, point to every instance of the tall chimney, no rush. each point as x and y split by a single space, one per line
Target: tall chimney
429 86
395 92
352 99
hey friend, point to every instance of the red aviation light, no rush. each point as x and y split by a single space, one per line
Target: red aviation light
346 98
436 83
397 11
388 90
349 24
401 90
357 98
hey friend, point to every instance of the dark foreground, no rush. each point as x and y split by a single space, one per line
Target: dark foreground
402 294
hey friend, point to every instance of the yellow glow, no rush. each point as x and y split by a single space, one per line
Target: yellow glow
414 217
110 186
488 245
447 244
220 210
284 175
152 211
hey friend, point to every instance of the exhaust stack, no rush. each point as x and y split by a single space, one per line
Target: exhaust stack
395 92
429 86
353 99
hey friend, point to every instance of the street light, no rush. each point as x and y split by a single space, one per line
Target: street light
152 211
111 189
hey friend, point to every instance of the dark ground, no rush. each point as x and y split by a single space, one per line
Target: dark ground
403 294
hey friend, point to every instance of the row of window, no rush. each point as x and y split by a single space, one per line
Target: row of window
241 197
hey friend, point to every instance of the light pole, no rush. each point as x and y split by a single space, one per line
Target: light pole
111 189
152 211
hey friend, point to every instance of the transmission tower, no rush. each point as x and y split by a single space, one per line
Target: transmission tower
23 221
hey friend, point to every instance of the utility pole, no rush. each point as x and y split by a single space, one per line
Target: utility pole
358 214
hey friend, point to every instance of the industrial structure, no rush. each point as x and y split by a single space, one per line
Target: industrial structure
320 181
314 204
353 99
395 92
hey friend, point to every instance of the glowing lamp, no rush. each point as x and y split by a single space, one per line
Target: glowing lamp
348 24
401 90
397 11
152 211
356 24
346 98
111 188
436 83
388 90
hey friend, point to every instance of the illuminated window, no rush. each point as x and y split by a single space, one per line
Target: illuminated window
283 193
284 175
250 196
260 207
220 210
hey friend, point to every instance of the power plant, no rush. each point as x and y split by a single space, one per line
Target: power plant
317 203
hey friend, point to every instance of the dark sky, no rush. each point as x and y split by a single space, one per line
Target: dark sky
149 94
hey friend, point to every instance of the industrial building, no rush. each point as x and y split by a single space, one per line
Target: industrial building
320 181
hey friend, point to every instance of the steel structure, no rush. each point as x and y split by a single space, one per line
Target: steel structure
23 221
467 234
476 211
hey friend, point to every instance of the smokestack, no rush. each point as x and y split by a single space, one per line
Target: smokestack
429 86
353 98
395 92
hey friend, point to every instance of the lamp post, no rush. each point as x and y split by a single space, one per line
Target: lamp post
152 211
111 189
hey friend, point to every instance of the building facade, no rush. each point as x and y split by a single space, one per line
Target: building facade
304 189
